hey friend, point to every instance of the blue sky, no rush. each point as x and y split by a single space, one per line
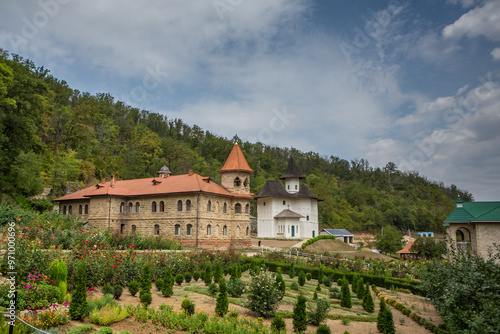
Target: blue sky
413 82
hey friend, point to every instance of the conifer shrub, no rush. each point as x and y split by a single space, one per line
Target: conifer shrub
213 289
360 289
145 286
133 287
389 327
327 281
196 276
222 304
309 276
339 282
280 282
146 298
218 273
59 274
291 274
159 283
207 275
78 306
315 296
318 287
323 329
302 278
335 292
187 277
381 316
368 304
319 311
300 314
168 283
278 324
117 291
294 286
187 306
236 287
321 274
179 278
345 299
107 289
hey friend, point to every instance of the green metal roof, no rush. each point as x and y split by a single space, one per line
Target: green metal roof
474 211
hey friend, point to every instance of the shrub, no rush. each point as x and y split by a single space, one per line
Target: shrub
187 277
107 290
133 287
108 315
99 303
302 278
105 330
218 273
339 282
222 304
59 274
323 329
213 289
321 274
117 291
381 316
187 306
146 298
315 296
368 304
318 287
196 276
278 324
280 282
327 281
309 276
207 275
159 284
389 327
179 278
291 274
345 299
263 294
319 237
299 314
360 288
294 286
236 287
168 284
145 285
78 306
335 292
319 312
81 329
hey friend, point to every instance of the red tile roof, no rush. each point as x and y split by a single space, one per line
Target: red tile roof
406 249
146 187
236 161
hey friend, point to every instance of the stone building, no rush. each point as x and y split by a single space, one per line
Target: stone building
190 208
474 226
289 211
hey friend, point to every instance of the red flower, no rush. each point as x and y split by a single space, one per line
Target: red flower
114 267
56 246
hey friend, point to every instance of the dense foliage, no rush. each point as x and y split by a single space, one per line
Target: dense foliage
60 138
263 294
466 291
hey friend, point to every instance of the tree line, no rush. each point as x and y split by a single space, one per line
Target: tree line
57 137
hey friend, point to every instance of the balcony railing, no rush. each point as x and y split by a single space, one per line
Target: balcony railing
463 245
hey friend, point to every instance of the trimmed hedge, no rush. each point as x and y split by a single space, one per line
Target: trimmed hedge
406 311
382 281
313 240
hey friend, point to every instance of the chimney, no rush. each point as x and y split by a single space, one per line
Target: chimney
113 180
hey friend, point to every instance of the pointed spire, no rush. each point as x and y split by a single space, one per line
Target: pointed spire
236 161
292 171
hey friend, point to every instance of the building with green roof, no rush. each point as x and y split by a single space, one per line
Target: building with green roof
474 226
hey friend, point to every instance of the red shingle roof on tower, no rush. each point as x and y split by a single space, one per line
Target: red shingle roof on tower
236 161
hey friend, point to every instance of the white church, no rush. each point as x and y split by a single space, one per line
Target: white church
289 211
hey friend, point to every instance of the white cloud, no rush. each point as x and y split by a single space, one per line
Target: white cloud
480 21
495 53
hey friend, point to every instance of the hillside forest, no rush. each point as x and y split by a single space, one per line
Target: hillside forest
57 137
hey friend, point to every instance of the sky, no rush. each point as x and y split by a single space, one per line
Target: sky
416 83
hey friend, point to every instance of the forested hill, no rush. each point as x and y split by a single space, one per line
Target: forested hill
52 136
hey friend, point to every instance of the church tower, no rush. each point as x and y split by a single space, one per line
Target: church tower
235 174
292 177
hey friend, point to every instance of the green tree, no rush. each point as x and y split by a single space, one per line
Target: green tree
429 248
321 274
168 283
145 285
319 311
381 322
368 304
300 314
218 272
302 278
389 240
207 275
345 299
263 294
221 306
291 274
78 306
280 282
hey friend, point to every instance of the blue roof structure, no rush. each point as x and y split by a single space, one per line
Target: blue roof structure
338 232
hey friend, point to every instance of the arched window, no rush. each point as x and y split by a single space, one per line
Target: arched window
157 229
237 208
162 206
189 229
80 209
64 210
209 229
122 207
177 229
209 206
134 228
460 236
130 207
224 230
224 208
245 183
137 207
179 205
188 205
237 182
153 206
86 211
247 208
248 230
70 209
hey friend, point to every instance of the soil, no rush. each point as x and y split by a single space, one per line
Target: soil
206 303
340 247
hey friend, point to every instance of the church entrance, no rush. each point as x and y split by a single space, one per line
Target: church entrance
313 234
293 231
